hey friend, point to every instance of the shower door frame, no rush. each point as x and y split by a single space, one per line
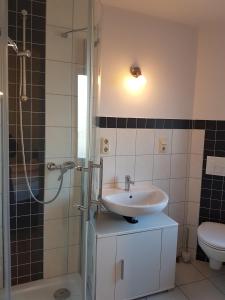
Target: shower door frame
5 147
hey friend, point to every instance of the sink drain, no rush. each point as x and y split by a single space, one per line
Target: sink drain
62 294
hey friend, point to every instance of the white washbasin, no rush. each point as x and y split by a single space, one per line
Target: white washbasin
136 203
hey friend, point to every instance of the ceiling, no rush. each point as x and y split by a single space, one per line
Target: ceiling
191 12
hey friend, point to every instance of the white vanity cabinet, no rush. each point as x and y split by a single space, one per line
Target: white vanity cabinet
134 260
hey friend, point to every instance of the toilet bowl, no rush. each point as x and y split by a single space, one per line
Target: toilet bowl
211 238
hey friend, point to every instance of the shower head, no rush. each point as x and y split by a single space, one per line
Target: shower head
12 44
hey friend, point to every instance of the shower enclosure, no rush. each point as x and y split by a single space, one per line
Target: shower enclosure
47 86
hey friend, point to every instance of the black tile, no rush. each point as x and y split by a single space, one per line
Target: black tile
209 145
23 279
214 214
36 244
24 4
38 37
216 194
38 65
23 246
38 51
199 124
37 276
23 222
23 258
159 123
206 193
38 22
38 8
36 267
217 184
24 270
111 122
23 234
101 122
150 123
131 123
216 204
210 135
121 123
220 125
168 124
12 5
37 256
210 125
141 123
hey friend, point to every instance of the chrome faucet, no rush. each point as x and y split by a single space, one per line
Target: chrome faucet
128 182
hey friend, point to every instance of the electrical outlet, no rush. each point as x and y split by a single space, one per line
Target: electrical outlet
105 147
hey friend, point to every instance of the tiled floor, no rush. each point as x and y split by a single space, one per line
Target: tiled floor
195 282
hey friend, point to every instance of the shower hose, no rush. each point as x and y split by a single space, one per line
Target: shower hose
62 170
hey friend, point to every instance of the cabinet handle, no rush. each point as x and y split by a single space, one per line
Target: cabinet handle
122 269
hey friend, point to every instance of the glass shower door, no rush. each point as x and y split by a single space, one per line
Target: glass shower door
4 214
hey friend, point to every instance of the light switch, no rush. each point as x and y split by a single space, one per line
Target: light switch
162 145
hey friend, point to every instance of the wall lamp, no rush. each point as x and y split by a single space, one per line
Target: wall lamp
135 71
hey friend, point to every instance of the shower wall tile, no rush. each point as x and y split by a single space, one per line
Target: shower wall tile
58 77
55 262
60 48
60 13
26 215
58 110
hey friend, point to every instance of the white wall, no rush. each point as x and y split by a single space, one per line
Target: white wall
166 53
209 100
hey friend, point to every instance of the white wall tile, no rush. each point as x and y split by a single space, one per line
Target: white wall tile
55 233
110 134
144 167
109 169
80 18
58 110
180 141
55 262
145 141
124 166
163 184
74 259
51 177
125 141
176 212
178 165
74 230
165 135
60 13
192 241
58 77
177 190
58 142
161 169
195 166
194 189
197 141
193 213
59 208
57 47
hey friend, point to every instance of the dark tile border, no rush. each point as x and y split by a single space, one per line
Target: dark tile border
142 123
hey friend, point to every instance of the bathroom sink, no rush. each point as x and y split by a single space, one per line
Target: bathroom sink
137 202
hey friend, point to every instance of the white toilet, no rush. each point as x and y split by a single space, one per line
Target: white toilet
211 238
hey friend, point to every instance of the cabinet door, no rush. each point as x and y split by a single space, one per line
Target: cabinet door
106 268
137 264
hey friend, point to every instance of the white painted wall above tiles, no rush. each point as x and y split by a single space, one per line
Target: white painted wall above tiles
210 88
166 53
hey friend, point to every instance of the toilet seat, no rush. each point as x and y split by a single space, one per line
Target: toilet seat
213 235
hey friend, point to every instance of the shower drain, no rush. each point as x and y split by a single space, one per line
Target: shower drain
61 294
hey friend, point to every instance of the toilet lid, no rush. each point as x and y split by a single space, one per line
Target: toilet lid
213 234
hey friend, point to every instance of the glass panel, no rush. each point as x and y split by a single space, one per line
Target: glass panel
4 217
50 129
